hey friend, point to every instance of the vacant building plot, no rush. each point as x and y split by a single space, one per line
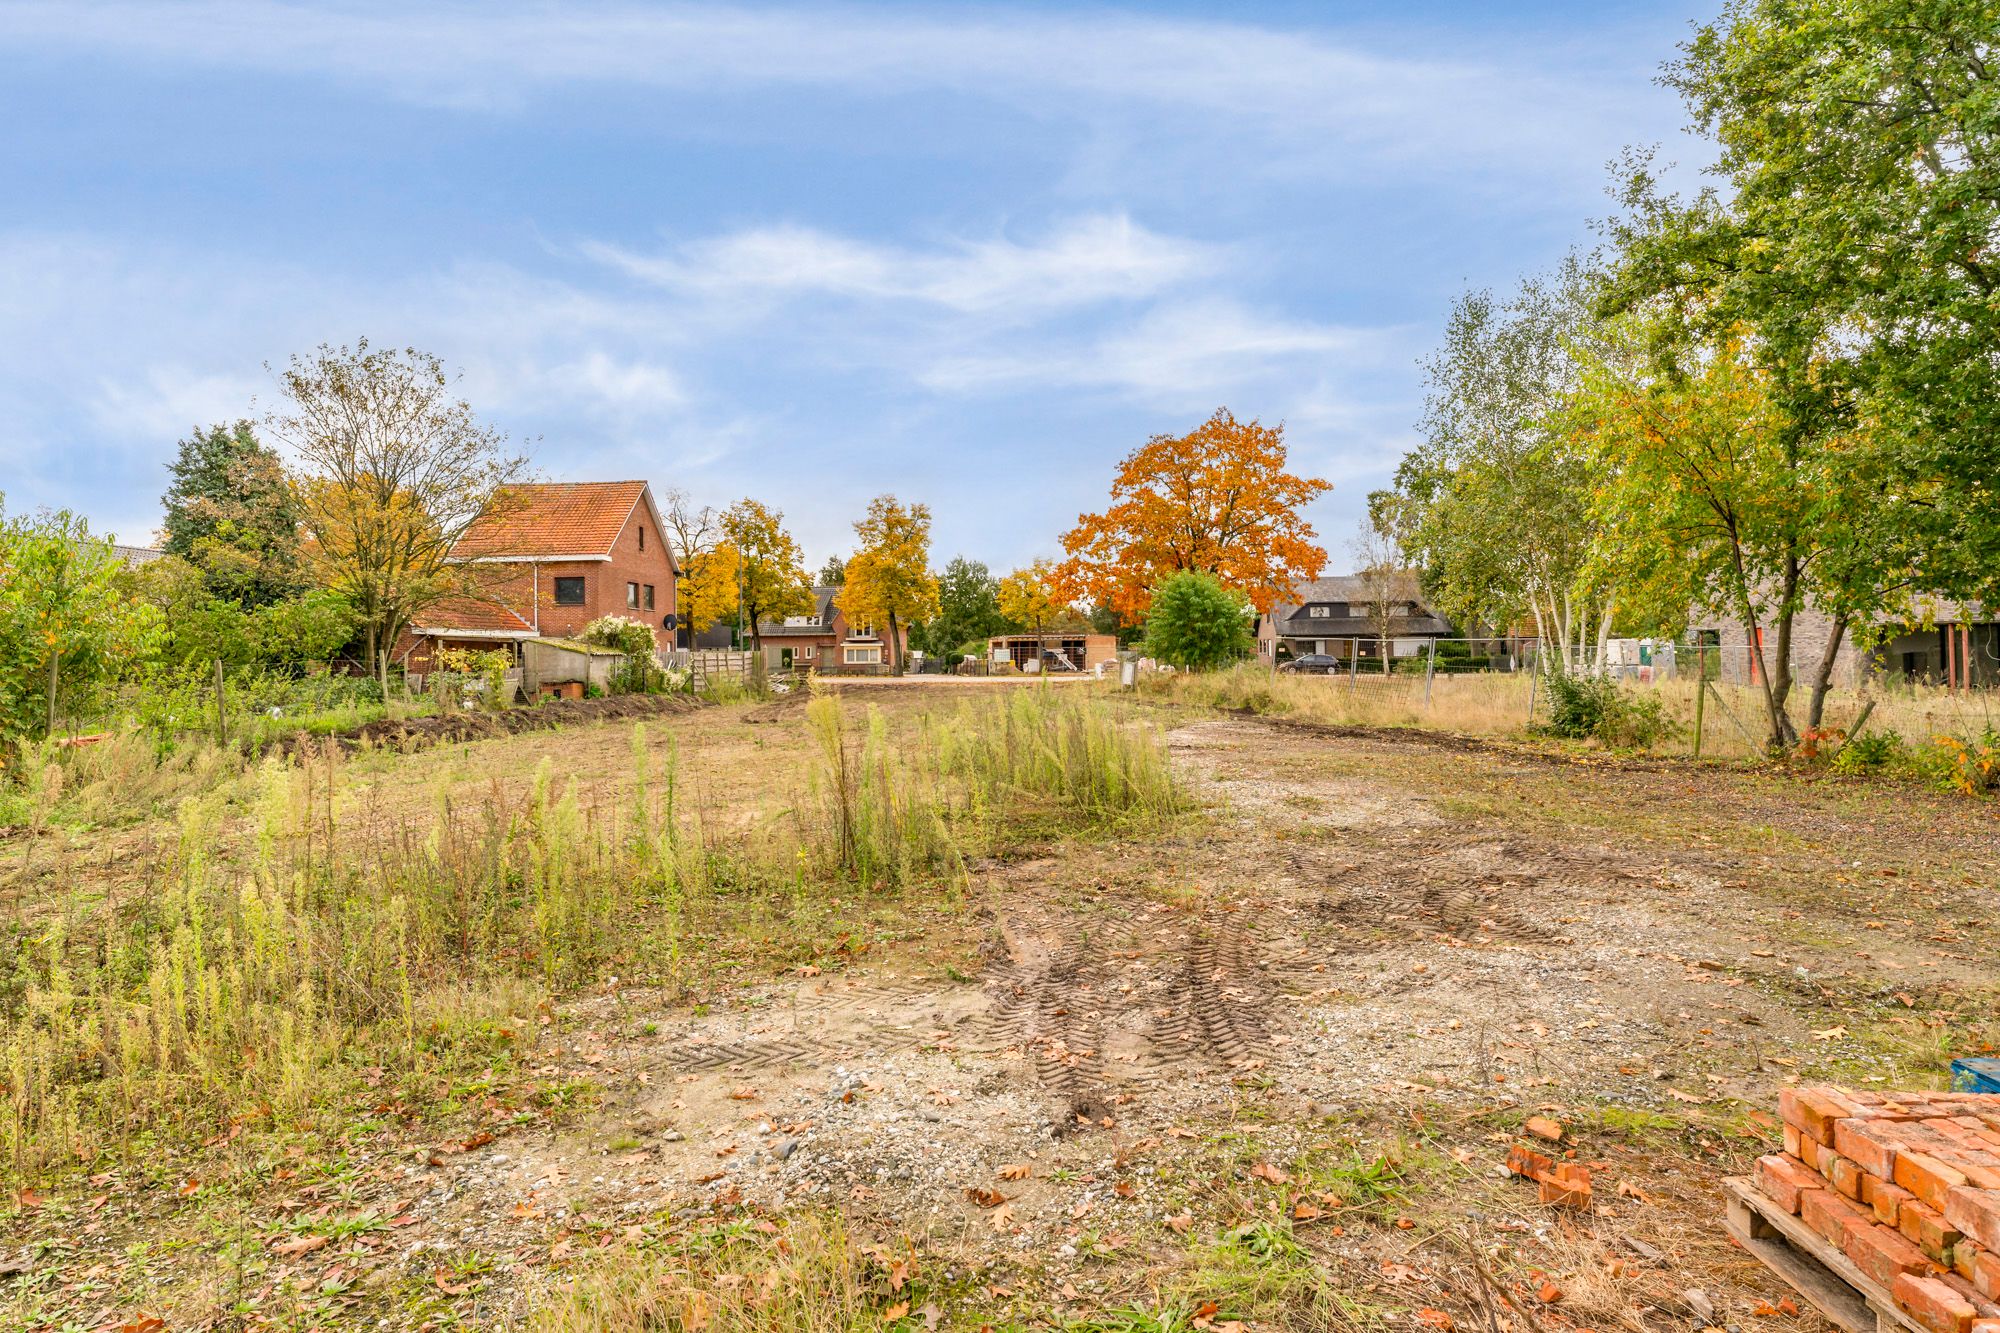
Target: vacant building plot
1165 1020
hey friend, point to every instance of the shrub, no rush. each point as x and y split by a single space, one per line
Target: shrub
1196 622
1593 707
1578 704
1957 764
1871 752
630 637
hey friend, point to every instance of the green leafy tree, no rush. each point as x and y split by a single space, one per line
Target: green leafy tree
968 607
230 513
833 573
1851 235
68 623
201 629
311 627
1713 491
1493 506
1195 622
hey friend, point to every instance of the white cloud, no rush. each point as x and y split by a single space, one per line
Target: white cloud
1085 261
1498 113
1177 355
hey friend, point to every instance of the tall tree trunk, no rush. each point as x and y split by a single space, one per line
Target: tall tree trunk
895 648
55 683
1822 680
1781 734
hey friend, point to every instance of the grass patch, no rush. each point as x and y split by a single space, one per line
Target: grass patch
803 1274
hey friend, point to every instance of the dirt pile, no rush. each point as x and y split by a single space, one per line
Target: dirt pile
450 728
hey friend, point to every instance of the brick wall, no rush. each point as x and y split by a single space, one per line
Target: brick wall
604 585
1811 628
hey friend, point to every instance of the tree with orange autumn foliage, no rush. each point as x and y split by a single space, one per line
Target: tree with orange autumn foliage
1217 500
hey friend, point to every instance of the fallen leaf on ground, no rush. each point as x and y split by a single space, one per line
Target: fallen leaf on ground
985 1198
1016 1171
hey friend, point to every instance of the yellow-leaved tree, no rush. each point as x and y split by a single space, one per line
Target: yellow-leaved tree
889 579
708 587
1027 596
769 580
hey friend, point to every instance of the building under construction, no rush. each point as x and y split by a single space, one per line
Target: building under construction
1055 650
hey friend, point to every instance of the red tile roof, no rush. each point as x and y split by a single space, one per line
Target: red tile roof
546 519
469 613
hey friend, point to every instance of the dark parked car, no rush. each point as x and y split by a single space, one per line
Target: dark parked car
1314 664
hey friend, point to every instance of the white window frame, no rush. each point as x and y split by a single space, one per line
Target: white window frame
1319 612
862 654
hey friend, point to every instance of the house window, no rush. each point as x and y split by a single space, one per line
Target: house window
807 651
1319 612
632 595
649 590
569 591
642 536
863 654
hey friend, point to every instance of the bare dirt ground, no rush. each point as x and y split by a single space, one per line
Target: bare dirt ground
1266 1066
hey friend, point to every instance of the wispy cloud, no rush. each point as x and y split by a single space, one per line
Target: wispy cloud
1498 111
1179 355
1082 262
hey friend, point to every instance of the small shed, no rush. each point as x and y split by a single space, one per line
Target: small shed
1054 650
566 661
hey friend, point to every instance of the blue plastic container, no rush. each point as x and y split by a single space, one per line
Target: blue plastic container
1975 1075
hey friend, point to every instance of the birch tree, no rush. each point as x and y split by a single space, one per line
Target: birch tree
1493 506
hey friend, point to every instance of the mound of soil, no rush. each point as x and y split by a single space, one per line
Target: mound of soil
451 728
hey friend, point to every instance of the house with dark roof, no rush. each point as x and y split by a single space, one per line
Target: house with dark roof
823 641
546 560
1336 616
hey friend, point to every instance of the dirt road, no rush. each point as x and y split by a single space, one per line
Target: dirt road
1374 946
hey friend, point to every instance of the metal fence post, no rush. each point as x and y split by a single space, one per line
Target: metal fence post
1353 664
1430 670
1700 692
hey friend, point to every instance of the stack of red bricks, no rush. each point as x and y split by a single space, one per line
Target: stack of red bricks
1906 1185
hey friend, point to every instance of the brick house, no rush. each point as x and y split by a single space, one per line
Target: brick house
1333 616
550 558
1961 646
822 641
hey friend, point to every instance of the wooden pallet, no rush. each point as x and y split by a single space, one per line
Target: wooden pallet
1817 1270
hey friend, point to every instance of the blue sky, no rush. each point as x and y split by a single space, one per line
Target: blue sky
969 254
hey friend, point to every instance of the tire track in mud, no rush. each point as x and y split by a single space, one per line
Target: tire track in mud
1050 1011
1219 1002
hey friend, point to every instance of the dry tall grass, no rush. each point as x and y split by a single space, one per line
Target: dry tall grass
1494 704
254 984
